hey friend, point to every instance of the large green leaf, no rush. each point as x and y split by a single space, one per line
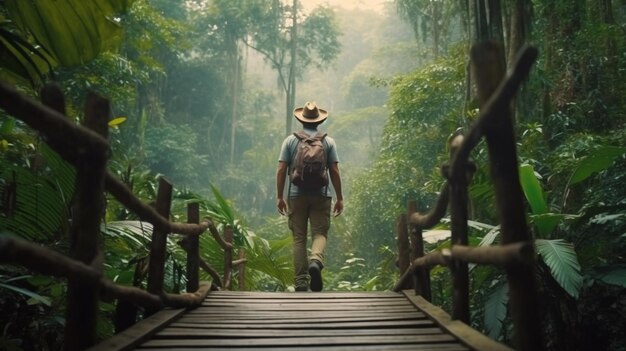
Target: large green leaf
597 161
562 260
21 58
490 237
532 189
495 310
34 297
42 200
546 222
134 235
63 32
614 275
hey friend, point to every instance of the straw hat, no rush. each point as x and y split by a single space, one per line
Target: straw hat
310 113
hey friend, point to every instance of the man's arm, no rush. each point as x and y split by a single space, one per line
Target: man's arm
335 178
281 174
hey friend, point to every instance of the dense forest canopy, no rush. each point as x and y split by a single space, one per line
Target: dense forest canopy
202 92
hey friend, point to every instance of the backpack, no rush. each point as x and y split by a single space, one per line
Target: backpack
309 165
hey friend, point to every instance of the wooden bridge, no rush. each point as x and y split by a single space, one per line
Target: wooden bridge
231 320
211 317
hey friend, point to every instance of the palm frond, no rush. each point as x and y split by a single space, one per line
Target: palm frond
41 212
562 260
495 309
273 258
8 284
490 237
135 235
224 214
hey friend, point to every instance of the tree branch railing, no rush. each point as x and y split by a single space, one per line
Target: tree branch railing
87 148
516 254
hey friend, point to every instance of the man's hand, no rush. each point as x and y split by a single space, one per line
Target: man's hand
282 206
338 208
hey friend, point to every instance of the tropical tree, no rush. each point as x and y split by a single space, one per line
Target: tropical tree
430 20
30 52
291 42
424 110
556 141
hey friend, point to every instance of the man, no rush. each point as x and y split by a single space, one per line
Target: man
306 204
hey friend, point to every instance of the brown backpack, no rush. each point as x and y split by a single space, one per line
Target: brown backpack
309 170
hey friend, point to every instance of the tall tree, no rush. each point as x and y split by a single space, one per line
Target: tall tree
291 86
519 28
292 41
429 19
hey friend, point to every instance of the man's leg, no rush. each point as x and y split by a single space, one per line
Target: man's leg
298 218
320 223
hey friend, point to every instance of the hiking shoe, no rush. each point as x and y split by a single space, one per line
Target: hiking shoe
302 288
315 271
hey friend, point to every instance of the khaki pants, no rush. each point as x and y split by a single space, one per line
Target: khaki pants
302 210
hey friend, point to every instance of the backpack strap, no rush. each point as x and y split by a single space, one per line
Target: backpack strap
302 135
320 136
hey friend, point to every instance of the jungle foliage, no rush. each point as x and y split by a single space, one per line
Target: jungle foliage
570 133
200 90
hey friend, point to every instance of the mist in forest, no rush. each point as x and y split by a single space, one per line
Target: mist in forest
373 49
202 93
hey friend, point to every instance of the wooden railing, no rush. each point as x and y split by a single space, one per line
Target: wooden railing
87 148
516 254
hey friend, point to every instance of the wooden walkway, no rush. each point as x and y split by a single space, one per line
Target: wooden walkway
229 320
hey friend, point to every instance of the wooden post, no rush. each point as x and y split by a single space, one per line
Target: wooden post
88 209
156 268
486 62
126 311
460 272
193 249
404 249
421 278
228 258
241 270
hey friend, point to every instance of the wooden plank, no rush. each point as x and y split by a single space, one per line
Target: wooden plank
398 309
305 325
311 340
311 307
216 299
138 333
305 295
180 333
467 335
335 322
403 302
291 319
299 304
395 347
225 313
289 316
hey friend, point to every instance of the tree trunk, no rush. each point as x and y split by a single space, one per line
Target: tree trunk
436 17
291 86
481 28
520 27
235 99
496 29
519 32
